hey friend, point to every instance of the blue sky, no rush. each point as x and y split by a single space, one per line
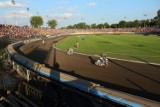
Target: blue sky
69 12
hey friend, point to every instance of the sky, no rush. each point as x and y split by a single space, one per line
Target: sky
69 12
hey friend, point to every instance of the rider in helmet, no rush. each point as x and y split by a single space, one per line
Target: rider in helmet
70 51
103 57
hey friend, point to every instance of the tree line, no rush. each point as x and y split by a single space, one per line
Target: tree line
122 24
37 21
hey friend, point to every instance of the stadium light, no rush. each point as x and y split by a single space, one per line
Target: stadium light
47 19
4 21
37 13
125 20
103 24
28 16
13 2
145 15
82 22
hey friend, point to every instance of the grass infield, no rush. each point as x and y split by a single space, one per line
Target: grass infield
136 47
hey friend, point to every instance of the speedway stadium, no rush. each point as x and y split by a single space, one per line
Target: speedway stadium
122 83
66 55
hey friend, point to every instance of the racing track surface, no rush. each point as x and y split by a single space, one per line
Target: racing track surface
134 78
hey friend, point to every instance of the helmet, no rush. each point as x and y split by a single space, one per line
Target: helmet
101 58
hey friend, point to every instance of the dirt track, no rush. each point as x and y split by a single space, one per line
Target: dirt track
134 78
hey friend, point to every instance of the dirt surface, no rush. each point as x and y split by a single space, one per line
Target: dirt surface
140 79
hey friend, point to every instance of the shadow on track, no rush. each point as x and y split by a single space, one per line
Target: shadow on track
92 60
158 67
135 72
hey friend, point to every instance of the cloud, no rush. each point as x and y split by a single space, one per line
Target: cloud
64 15
92 4
17 14
9 4
70 9
63 2
65 9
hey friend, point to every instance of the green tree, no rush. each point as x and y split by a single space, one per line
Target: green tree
100 26
136 23
36 21
106 25
93 26
158 15
87 26
122 24
153 22
70 27
81 25
147 23
114 25
52 23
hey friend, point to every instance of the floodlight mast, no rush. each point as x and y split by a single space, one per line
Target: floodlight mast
125 20
28 15
145 15
103 23
47 20
82 23
28 22
13 2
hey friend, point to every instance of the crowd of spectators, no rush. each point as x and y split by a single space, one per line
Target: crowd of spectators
27 32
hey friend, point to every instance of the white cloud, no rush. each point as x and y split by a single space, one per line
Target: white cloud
69 9
9 4
63 2
17 14
92 4
23 0
64 15
65 9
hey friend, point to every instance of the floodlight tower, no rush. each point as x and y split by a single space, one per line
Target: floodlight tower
13 2
47 20
125 20
82 23
103 23
145 15
28 22
28 16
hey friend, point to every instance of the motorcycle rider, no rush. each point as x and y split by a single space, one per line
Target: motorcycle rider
70 51
104 59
